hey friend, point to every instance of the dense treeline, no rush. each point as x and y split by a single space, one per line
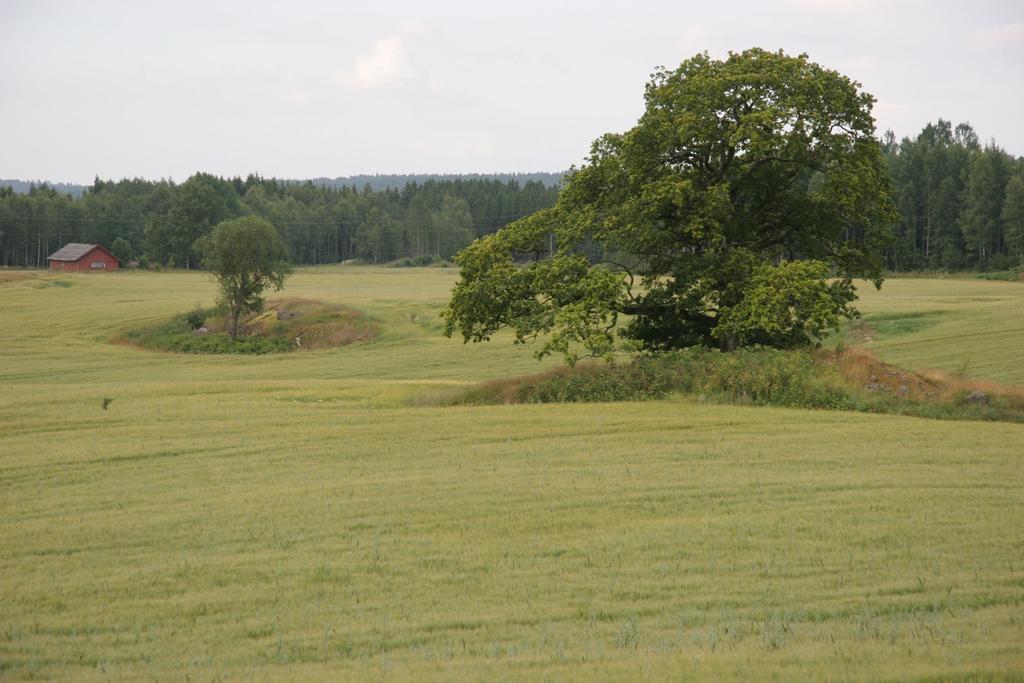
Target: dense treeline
397 181
376 181
159 222
961 207
961 204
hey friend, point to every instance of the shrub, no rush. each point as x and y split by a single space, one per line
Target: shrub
197 316
417 261
1013 275
750 376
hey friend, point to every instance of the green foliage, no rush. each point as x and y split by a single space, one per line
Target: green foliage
951 193
1015 275
1013 217
247 257
122 250
377 239
178 335
451 226
749 376
319 222
315 325
200 203
197 317
417 262
983 204
789 305
735 165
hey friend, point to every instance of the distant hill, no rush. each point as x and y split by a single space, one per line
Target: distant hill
393 181
23 186
377 182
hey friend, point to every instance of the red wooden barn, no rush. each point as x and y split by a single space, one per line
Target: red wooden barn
78 257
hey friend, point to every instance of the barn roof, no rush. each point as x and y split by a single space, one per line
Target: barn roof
73 251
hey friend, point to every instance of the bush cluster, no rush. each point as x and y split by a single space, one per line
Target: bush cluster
178 334
1013 275
415 262
750 376
747 376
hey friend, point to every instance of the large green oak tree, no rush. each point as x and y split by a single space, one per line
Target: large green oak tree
739 210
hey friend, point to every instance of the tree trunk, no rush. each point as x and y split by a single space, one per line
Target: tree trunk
236 313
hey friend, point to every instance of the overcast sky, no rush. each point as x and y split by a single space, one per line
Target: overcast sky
306 89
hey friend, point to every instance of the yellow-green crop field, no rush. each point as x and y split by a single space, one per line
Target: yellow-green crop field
305 517
971 327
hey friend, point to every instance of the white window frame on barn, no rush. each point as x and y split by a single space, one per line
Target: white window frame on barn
98 264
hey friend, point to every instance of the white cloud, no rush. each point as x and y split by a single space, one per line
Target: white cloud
386 65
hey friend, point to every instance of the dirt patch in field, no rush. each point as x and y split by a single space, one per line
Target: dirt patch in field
866 370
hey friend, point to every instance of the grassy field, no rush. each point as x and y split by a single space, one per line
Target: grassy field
299 517
972 327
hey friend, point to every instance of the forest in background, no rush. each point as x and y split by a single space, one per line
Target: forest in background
158 222
961 204
376 181
961 207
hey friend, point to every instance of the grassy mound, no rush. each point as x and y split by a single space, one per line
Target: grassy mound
285 325
839 380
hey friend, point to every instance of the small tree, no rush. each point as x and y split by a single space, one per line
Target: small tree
122 250
246 256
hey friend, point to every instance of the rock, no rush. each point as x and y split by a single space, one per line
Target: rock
903 390
876 386
286 315
977 398
872 379
200 331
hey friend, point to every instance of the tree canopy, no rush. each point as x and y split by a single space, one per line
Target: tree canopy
690 223
246 256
